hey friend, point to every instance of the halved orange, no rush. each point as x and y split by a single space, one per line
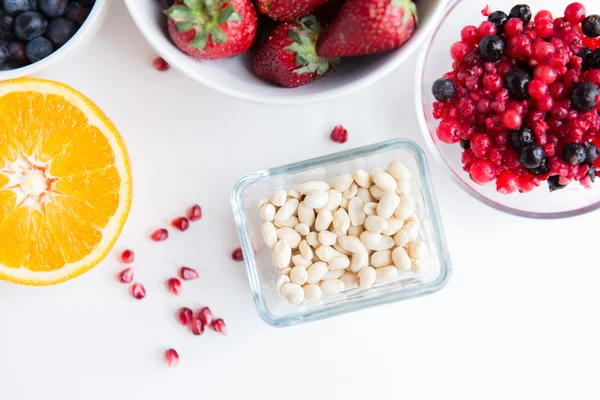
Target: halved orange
65 182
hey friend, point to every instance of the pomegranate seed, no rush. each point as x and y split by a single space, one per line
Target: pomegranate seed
237 255
172 357
126 276
197 326
339 134
218 325
486 11
174 286
138 291
188 274
160 64
185 316
205 316
181 223
195 213
159 235
127 256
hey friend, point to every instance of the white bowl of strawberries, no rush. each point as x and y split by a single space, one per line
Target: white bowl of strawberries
285 51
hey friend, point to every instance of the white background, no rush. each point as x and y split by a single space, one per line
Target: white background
519 318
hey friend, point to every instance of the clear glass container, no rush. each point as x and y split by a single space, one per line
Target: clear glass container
273 308
434 62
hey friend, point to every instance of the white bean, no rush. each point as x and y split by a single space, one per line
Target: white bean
366 277
385 273
306 215
350 280
356 212
292 237
384 180
351 191
412 228
299 275
300 261
261 203
278 197
370 239
418 266
291 222
282 254
332 286
405 208
403 188
377 192
341 250
267 212
293 293
381 258
312 291
294 194
333 201
342 183
287 210
327 238
355 230
344 203
370 209
316 199
394 225
285 271
351 243
307 187
398 171
365 195
316 272
341 220
334 274
340 262
401 238
269 234
323 221
384 243
359 261
401 259
326 253
416 250
281 280
387 205
376 224
313 239
306 250
302 229
362 178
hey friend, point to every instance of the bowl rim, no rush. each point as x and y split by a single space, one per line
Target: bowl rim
440 242
327 94
88 25
427 135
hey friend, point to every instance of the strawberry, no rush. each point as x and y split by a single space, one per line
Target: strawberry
289 57
212 29
288 10
369 26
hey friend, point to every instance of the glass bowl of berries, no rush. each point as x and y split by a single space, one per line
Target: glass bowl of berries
509 101
35 34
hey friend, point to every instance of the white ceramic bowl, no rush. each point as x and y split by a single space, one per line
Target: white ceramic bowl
84 35
234 76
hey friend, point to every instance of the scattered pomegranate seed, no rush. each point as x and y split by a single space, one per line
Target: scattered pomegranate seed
218 325
172 357
181 223
195 213
159 235
126 276
205 316
138 291
185 316
486 11
188 274
174 286
160 64
339 134
197 326
237 255
127 256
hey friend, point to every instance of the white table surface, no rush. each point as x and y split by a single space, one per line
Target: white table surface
519 318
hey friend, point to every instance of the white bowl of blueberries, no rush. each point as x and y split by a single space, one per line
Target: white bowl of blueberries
37 33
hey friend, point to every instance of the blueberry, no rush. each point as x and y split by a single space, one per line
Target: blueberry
465 144
443 89
553 183
78 12
524 66
60 30
521 11
17 53
16 6
591 26
53 8
583 95
532 156
592 172
4 54
499 19
586 58
574 153
594 59
491 47
6 25
30 25
542 169
591 152
523 137
38 48
516 82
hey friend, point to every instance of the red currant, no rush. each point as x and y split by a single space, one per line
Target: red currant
575 13
537 89
507 182
469 34
459 51
513 27
545 74
482 171
480 144
449 131
512 120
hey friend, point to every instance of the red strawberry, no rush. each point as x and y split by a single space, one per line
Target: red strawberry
289 58
288 10
369 26
212 29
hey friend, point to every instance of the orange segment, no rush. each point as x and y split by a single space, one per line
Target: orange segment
65 182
